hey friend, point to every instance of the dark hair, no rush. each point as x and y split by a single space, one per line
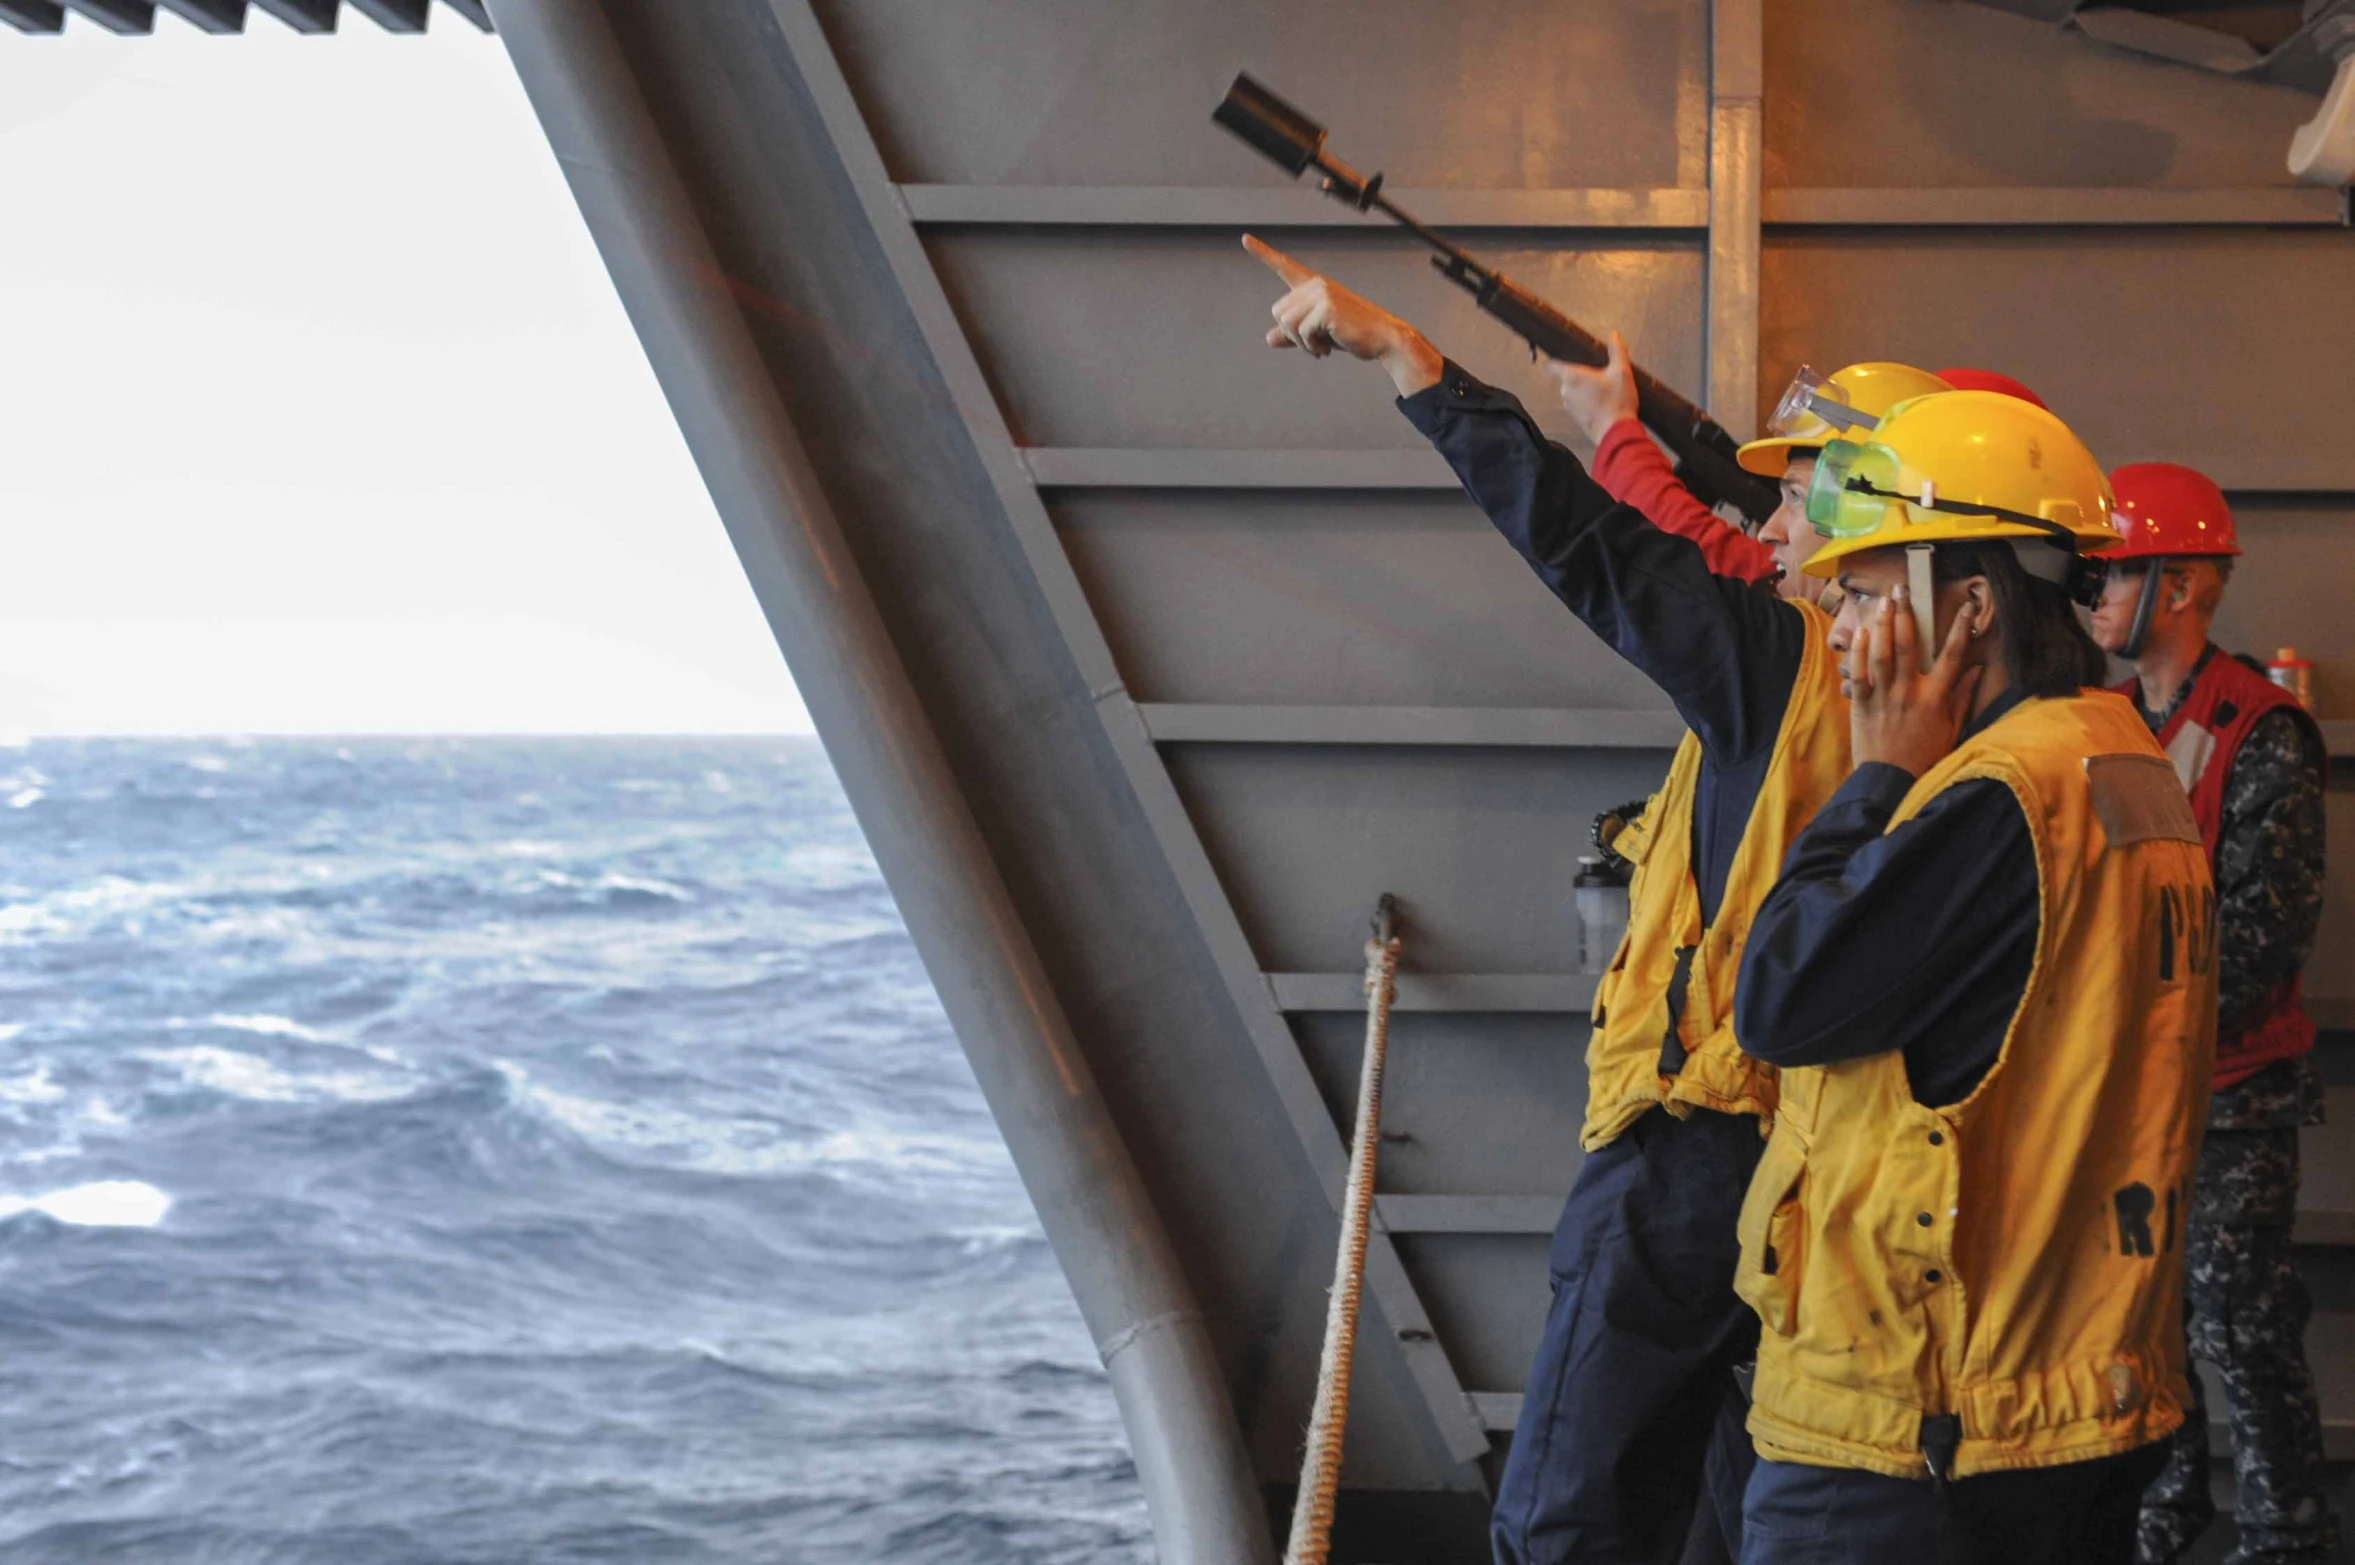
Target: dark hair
2046 651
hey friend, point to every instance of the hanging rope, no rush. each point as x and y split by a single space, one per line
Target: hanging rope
1320 1467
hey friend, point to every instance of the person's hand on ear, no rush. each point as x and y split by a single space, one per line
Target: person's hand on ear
1897 715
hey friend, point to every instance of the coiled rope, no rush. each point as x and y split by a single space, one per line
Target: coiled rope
1320 1466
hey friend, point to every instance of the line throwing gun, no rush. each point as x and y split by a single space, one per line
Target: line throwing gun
1703 450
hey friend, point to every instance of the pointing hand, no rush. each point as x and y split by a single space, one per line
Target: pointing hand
1318 315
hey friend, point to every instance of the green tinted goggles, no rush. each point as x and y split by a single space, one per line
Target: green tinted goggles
1853 485
1855 482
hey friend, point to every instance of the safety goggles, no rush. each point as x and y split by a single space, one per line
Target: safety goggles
1856 481
2135 569
1812 406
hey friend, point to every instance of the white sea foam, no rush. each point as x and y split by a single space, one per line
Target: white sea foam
9 1031
257 1080
558 880
743 1145
652 888
33 1086
269 1027
61 912
24 798
207 763
109 1203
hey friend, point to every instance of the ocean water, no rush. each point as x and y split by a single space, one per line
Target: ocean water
505 1151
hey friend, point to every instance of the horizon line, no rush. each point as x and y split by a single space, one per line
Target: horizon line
18 740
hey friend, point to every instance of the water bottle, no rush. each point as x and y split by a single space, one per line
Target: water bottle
1602 914
2294 674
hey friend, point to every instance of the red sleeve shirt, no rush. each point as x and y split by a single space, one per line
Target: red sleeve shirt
1634 471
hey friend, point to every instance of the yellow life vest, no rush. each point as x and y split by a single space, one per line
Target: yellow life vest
2013 1261
1663 1015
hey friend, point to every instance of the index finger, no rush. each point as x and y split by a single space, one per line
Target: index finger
1293 273
1905 653
1880 645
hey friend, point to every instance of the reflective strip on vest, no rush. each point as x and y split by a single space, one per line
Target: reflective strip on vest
1645 1051
2016 1258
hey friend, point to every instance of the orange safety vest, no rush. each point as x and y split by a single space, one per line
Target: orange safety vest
2013 1261
1663 1015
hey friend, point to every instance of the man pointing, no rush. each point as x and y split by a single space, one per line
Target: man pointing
1644 1329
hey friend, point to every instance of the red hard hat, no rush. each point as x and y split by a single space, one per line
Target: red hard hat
2164 508
1988 380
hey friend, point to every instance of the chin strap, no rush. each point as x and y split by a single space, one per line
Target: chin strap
1922 587
2144 604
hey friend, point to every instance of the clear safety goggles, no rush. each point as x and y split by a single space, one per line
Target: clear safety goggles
1811 406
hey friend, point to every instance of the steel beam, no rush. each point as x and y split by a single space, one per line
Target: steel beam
1132 746
2012 206
1299 206
212 16
1124 1274
1667 210
1737 131
2324 470
1452 727
1106 467
473 10
33 16
1499 1410
1459 993
1469 1214
2332 1013
128 17
395 16
304 16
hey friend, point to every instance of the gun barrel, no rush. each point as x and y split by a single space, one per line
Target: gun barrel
1272 127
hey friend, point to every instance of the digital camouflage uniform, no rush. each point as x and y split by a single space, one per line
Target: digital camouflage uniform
2245 1302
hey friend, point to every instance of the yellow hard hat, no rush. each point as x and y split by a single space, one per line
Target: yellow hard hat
1815 410
1955 466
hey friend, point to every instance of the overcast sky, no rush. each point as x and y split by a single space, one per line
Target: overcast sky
318 413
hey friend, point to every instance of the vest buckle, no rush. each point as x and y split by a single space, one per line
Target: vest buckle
1941 1438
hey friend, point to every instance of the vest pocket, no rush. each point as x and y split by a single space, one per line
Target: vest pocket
1773 1236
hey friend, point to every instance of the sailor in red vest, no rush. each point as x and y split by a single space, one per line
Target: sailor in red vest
2253 762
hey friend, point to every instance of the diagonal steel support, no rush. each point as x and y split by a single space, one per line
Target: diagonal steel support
1139 1304
1454 1418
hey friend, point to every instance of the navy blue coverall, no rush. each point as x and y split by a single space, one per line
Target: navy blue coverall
1635 1365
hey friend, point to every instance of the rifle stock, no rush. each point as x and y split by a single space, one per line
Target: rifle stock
1703 449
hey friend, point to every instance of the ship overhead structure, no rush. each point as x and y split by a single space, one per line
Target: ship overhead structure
1149 658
